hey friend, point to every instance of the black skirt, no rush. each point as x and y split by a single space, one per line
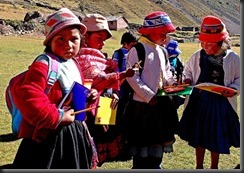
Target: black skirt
210 121
147 125
67 148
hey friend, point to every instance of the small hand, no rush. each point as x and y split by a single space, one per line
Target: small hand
187 81
92 96
68 118
115 100
153 101
227 93
129 72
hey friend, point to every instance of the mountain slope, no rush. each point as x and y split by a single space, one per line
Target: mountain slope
181 12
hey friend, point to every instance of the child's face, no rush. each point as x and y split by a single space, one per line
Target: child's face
96 40
210 48
66 43
157 37
129 45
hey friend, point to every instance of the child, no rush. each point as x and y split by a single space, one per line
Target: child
150 120
52 138
210 120
176 67
103 74
175 62
128 39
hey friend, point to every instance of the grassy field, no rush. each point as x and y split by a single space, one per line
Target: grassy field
17 53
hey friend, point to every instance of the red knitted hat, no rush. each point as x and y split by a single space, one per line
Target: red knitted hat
212 30
58 21
157 21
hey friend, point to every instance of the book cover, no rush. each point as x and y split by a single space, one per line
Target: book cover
76 99
214 88
174 91
105 114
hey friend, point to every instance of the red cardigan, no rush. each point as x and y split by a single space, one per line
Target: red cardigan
40 113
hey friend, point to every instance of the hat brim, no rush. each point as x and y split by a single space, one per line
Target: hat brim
212 38
174 52
109 34
58 28
164 29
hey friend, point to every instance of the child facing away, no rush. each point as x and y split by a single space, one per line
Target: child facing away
209 120
151 121
102 72
52 138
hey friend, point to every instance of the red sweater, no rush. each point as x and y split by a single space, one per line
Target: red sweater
40 113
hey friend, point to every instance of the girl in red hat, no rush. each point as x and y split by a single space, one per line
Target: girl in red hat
151 121
210 120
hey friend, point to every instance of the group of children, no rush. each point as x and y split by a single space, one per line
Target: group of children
146 123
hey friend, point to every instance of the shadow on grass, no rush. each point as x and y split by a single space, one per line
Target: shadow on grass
8 137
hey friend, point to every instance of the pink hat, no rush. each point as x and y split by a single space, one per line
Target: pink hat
96 22
157 21
58 21
212 30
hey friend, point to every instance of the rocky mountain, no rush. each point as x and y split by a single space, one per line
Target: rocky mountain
181 12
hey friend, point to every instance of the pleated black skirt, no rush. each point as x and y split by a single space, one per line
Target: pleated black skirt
67 148
147 125
210 121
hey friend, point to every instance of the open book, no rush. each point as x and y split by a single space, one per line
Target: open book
186 90
105 114
76 99
214 88
175 90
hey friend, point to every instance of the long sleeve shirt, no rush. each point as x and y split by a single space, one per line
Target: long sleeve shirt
231 66
155 74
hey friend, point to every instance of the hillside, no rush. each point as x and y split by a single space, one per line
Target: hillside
181 12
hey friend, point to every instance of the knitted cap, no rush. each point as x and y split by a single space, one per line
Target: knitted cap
172 48
96 22
212 30
157 21
58 21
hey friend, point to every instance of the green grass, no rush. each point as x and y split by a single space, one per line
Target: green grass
17 53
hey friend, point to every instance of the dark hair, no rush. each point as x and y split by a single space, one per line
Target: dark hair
128 37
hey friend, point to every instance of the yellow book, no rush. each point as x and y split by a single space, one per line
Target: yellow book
105 115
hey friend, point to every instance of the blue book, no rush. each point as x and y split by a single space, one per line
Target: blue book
76 99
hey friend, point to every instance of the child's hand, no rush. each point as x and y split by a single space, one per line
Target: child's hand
68 118
129 72
187 81
92 96
115 100
227 93
153 101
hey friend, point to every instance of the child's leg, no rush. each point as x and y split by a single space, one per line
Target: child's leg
200 152
154 162
214 160
149 162
139 162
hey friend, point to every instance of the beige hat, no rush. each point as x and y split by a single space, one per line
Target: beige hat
60 20
96 22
